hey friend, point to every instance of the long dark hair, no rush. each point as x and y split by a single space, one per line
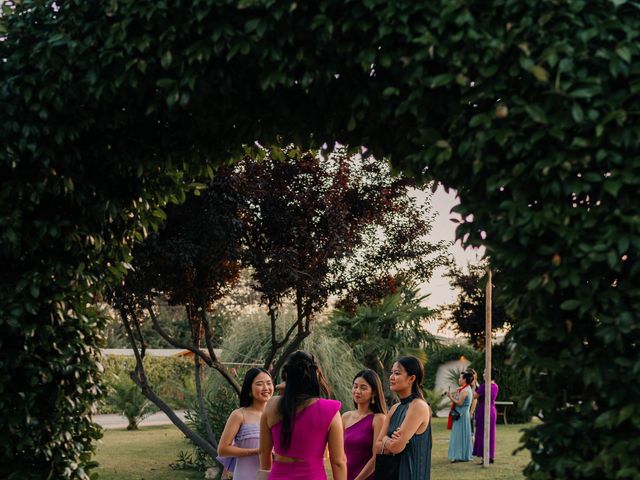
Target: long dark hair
468 377
303 380
413 366
379 404
245 393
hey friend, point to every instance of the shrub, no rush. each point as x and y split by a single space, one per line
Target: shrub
171 377
126 399
246 343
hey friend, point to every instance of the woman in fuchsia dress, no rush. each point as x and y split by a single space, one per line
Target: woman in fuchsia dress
363 425
298 426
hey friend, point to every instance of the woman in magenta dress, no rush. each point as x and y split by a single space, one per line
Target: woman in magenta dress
238 447
478 442
298 426
363 425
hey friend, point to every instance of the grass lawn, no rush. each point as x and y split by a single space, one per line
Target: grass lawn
144 454
147 453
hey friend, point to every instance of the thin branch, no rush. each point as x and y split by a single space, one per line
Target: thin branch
292 347
215 363
172 341
139 365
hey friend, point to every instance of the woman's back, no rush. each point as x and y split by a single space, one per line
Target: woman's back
309 434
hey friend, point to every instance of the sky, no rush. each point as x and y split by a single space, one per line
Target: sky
438 288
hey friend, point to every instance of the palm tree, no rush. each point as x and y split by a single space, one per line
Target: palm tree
380 333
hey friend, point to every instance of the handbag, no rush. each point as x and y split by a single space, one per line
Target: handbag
455 415
387 466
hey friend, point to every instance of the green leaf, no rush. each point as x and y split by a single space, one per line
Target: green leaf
570 304
540 73
166 59
577 113
536 113
612 186
624 54
441 80
165 82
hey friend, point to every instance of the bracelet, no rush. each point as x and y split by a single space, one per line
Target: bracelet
383 444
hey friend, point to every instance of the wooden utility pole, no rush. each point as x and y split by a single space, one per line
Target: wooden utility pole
487 374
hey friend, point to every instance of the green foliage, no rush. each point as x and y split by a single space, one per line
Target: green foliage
171 377
435 400
126 399
173 320
467 315
245 343
220 401
527 108
381 332
440 354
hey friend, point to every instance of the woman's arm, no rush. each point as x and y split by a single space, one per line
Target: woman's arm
369 468
337 457
461 397
474 404
418 414
382 436
266 443
226 447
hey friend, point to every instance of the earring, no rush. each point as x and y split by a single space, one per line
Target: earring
373 401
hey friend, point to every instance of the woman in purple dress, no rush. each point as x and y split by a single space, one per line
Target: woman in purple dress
478 442
298 427
239 442
363 425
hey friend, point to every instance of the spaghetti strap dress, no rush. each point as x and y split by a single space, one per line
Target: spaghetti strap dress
308 442
244 468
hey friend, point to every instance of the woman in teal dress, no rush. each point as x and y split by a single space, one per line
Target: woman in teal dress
406 430
460 441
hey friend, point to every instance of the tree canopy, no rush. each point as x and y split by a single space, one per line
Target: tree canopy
467 315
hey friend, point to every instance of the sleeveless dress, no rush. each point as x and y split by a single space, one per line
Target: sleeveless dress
308 442
478 442
415 462
244 468
460 439
358 445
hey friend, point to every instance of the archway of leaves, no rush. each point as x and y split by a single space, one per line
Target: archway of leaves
527 108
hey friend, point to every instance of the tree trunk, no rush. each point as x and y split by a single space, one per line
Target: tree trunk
139 377
133 424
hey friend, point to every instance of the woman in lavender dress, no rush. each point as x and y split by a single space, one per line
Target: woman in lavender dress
363 425
478 442
238 448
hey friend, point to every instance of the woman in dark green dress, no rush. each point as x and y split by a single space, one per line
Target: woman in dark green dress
407 428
